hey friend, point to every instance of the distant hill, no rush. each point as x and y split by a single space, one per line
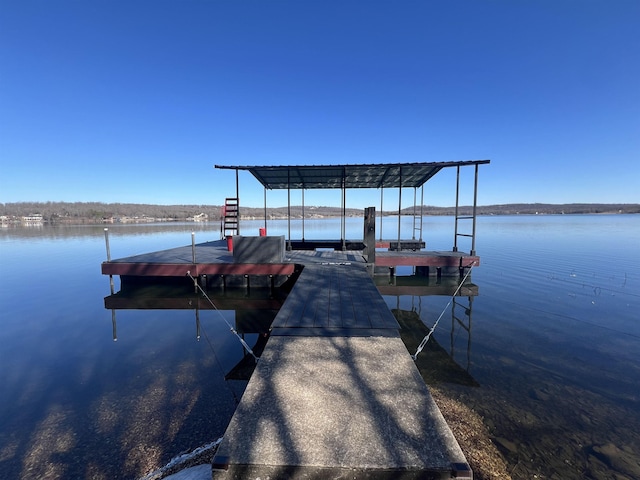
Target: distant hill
534 209
96 212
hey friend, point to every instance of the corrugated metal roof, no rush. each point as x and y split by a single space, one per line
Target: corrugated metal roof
379 175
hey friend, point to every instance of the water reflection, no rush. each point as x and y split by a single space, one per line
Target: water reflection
435 363
253 312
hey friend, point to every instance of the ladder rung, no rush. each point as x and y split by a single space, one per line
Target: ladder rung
462 324
464 235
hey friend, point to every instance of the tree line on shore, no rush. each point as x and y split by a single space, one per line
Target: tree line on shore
97 212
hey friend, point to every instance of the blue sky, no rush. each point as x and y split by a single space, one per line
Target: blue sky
135 101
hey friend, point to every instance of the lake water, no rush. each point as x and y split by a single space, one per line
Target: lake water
553 347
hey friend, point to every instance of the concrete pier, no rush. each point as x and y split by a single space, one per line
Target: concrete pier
335 393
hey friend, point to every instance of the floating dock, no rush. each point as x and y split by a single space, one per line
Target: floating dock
335 393
214 264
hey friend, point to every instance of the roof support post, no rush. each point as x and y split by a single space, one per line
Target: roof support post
455 230
475 203
421 210
381 197
265 209
289 208
238 201
415 192
343 234
303 214
399 206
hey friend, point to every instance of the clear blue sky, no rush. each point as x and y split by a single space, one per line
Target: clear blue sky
135 101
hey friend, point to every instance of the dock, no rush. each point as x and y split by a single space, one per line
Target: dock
214 263
335 393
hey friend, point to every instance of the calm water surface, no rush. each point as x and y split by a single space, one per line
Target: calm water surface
554 345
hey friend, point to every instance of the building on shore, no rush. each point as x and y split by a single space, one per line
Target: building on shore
33 219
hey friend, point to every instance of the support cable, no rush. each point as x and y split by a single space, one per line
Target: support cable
233 330
428 335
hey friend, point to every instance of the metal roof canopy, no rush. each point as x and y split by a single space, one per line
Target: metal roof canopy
374 175
378 175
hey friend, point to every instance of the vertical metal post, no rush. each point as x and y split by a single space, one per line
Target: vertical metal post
415 191
399 206
343 234
106 239
289 208
475 203
421 207
455 231
238 202
381 198
265 209
303 214
193 259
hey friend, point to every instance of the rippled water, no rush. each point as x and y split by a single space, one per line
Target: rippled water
554 345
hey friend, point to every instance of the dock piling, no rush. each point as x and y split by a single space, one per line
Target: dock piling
106 240
193 247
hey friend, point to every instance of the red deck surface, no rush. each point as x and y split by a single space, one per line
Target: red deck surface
426 259
213 258
181 269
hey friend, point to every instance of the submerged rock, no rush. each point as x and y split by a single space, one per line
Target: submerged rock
621 460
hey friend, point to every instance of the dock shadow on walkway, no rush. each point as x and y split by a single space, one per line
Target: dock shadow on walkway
335 393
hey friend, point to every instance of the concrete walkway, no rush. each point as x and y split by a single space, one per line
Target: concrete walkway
335 407
199 472
335 393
